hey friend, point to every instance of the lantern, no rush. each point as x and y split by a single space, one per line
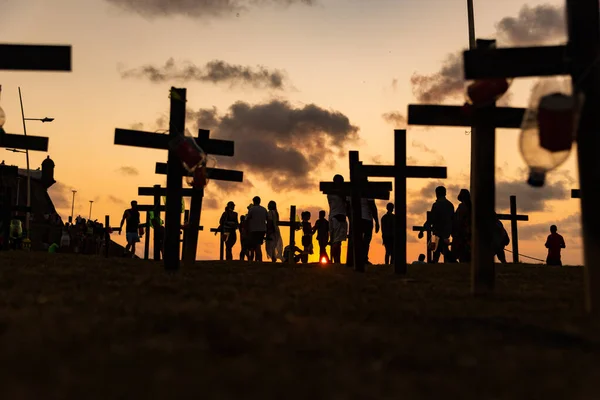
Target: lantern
26 244
549 126
188 151
486 91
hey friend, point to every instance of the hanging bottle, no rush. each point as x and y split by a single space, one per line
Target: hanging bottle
549 127
188 151
199 177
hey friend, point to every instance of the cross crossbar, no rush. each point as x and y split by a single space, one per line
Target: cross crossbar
217 174
34 143
390 171
575 193
516 62
508 217
151 207
161 191
437 115
372 190
27 57
151 140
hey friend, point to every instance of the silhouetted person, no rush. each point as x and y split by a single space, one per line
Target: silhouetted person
297 254
338 225
132 216
159 232
500 240
554 243
440 224
307 235
274 243
368 212
244 239
461 230
257 225
322 229
229 224
421 259
388 222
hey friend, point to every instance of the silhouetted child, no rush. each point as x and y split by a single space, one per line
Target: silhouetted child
554 243
245 240
387 233
286 254
322 229
307 234
421 259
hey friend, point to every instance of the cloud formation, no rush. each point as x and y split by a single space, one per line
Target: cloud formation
395 118
569 227
439 159
128 170
197 9
215 71
115 200
279 142
540 25
60 195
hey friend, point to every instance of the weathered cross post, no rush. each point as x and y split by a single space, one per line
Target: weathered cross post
428 231
211 147
400 172
578 59
513 217
358 188
485 120
221 243
175 171
575 194
293 225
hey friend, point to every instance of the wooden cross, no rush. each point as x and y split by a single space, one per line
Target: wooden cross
400 172
212 147
428 231
575 194
174 181
358 187
293 225
513 217
221 243
579 58
107 230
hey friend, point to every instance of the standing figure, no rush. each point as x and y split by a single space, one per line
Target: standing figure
554 243
307 235
274 243
159 233
229 224
500 240
338 225
368 212
244 236
132 216
257 225
65 239
388 223
461 229
322 229
440 223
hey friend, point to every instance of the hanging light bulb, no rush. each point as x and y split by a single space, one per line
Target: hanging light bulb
199 177
549 127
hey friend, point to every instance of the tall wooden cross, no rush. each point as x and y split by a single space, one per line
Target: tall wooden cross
400 172
422 228
358 187
513 217
293 225
210 146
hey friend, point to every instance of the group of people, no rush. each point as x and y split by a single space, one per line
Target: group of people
450 229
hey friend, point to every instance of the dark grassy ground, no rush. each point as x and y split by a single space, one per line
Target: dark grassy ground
89 328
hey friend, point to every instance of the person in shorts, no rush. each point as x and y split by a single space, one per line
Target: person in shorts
257 227
132 216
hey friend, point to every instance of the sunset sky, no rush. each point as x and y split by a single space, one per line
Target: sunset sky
295 83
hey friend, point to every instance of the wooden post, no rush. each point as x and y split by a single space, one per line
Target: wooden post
106 235
355 244
157 245
583 26
400 172
189 250
513 217
147 238
292 234
575 194
221 243
429 253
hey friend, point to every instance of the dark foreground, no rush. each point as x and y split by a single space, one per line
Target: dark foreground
89 328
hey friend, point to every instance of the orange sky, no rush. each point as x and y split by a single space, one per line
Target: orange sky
344 56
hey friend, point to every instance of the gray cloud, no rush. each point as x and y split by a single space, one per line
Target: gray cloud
543 24
215 71
210 203
394 84
531 199
60 195
395 118
115 200
128 170
197 9
439 159
279 142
